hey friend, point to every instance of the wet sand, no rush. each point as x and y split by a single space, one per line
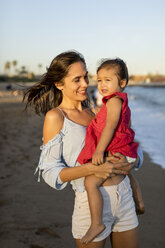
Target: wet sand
32 214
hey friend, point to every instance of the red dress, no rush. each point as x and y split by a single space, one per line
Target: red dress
123 139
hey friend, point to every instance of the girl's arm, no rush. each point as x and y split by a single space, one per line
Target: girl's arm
114 106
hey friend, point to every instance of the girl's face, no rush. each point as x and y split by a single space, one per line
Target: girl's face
107 82
75 83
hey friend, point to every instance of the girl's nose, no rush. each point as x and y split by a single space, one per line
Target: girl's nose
102 83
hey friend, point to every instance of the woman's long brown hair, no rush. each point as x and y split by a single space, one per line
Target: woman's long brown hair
44 95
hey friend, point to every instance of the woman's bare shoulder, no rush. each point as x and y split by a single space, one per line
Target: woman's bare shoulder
53 124
54 115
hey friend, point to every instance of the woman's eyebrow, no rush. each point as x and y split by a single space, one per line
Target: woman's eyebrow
77 77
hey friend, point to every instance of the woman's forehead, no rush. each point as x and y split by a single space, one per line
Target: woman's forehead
76 69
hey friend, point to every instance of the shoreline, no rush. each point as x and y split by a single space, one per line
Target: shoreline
21 85
36 216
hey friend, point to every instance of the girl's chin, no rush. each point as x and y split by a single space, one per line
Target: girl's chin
105 94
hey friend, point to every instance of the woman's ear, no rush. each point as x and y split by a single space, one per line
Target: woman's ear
123 83
58 86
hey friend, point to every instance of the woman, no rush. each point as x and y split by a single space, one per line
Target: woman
62 96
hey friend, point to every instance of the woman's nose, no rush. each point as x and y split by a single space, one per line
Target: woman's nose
85 82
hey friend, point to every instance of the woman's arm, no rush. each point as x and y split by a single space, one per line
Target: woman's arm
54 170
114 106
104 170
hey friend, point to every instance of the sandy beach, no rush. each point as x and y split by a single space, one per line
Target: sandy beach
33 215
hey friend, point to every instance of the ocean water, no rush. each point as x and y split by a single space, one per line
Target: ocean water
147 106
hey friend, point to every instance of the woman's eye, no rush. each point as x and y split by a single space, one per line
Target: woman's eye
86 78
77 80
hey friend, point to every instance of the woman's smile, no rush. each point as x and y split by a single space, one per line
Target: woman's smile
82 92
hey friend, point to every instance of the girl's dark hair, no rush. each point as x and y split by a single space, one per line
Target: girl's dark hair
44 95
118 64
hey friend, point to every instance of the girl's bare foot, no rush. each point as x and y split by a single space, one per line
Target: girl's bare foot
92 232
140 209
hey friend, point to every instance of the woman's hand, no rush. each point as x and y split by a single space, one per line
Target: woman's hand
121 159
109 169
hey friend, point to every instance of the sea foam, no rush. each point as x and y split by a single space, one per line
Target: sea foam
148 120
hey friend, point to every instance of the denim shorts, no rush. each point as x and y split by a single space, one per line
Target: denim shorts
118 211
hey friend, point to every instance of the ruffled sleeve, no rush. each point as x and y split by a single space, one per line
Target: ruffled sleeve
140 155
51 163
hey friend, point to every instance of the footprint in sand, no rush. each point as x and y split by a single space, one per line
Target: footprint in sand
47 230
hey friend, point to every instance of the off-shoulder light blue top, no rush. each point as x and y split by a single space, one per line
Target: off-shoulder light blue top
61 152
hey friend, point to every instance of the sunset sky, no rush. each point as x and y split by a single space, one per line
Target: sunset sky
33 32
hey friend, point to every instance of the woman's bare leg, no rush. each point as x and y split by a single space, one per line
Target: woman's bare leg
95 200
99 244
127 239
137 195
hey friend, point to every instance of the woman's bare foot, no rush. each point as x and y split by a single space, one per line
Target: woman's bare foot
140 209
92 232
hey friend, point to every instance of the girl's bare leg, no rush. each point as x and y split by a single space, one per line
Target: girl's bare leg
137 195
99 244
127 239
95 200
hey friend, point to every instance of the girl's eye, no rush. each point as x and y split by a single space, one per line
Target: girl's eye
77 80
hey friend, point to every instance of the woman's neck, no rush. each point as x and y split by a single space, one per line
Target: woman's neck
71 105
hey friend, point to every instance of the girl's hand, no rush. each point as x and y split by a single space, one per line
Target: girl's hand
98 158
109 169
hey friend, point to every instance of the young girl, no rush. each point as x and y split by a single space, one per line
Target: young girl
109 132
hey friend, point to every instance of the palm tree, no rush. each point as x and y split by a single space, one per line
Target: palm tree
39 67
15 64
7 67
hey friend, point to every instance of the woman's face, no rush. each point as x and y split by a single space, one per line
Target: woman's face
75 83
